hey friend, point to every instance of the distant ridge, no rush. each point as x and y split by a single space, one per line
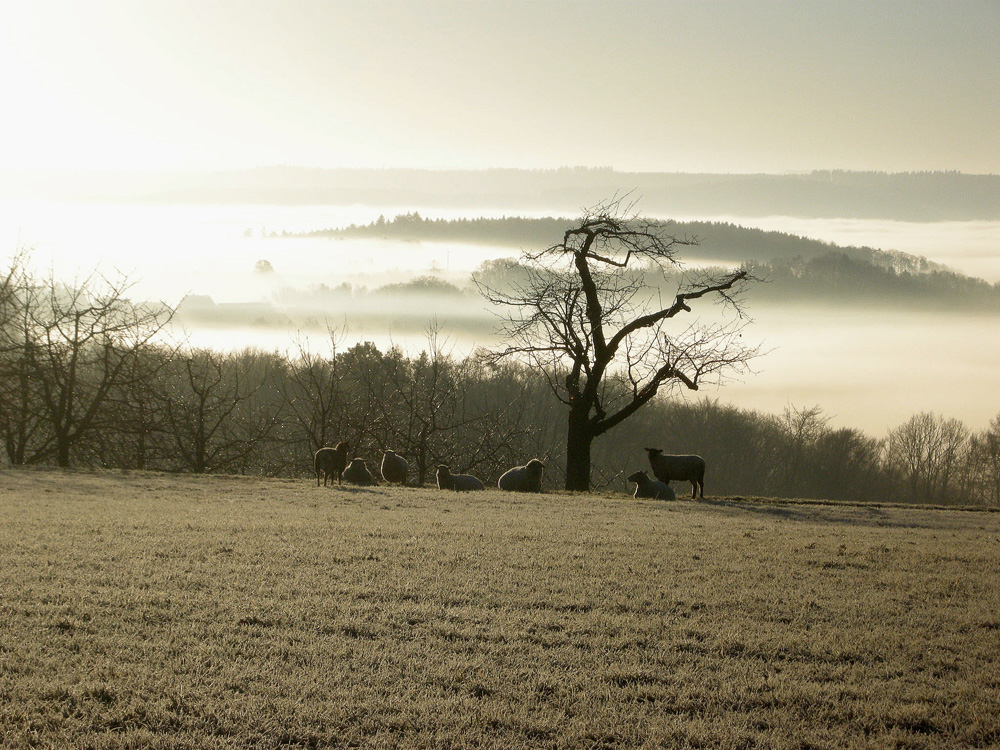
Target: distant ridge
720 242
910 196
799 270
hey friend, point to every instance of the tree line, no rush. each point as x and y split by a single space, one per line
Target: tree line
88 378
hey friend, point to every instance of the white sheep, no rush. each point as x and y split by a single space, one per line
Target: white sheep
458 482
331 462
527 478
394 467
680 468
654 488
357 473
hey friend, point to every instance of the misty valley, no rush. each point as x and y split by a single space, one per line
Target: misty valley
868 331
886 318
856 339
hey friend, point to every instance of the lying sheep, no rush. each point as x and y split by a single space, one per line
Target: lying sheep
394 468
331 462
680 468
654 488
357 473
458 482
527 478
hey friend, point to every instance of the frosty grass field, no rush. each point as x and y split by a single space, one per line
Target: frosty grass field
169 611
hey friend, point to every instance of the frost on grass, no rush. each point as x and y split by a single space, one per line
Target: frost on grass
157 611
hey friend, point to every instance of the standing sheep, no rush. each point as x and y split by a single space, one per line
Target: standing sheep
330 462
394 468
654 488
681 468
357 473
458 482
527 478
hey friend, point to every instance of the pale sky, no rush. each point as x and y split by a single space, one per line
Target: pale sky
751 86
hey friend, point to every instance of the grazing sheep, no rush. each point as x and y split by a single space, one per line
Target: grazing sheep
394 467
458 482
654 488
527 478
330 462
357 473
681 468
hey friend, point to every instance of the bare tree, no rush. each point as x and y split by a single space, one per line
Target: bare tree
75 344
985 459
315 399
928 451
210 411
421 407
584 316
133 429
802 428
370 389
846 465
20 419
514 405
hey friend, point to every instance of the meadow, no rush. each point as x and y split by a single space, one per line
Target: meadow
146 610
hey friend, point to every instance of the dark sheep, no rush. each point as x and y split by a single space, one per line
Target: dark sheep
394 468
357 473
667 468
527 478
457 482
331 462
652 488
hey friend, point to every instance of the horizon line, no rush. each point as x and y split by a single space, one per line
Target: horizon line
583 169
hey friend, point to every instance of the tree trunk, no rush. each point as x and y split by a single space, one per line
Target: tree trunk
200 462
578 442
62 451
140 452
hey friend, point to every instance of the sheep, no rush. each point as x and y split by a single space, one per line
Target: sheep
458 482
357 473
681 468
654 488
394 467
527 478
331 462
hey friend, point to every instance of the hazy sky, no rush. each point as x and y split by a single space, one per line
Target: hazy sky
665 86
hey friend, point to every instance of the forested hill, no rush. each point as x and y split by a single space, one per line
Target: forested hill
798 269
716 242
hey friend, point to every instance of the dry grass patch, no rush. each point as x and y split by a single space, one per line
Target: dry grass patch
153 611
